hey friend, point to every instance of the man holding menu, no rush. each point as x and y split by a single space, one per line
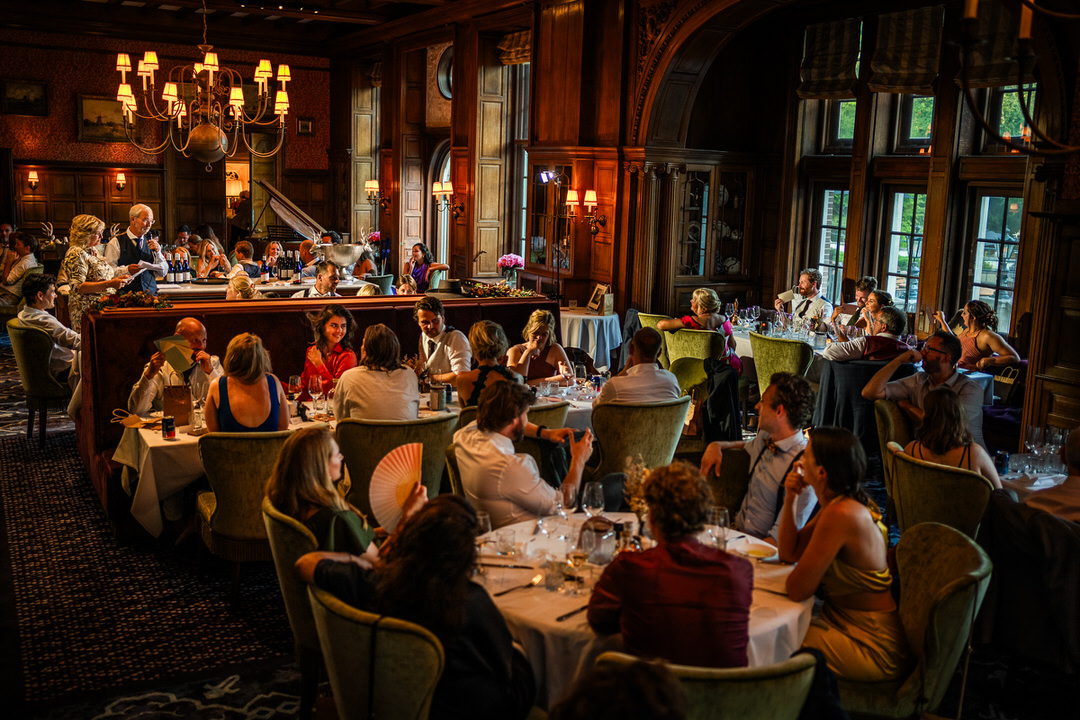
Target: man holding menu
135 252
146 394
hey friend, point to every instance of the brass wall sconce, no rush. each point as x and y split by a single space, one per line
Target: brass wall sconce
121 181
375 196
32 180
595 221
444 198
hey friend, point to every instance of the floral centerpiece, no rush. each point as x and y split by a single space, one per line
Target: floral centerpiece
140 299
509 264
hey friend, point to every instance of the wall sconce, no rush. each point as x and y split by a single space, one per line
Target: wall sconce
121 181
444 198
375 196
32 180
595 221
571 203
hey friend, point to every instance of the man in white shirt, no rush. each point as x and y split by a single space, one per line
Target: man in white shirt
40 294
327 278
16 265
507 484
1063 500
146 394
135 249
642 380
884 344
784 410
444 351
809 303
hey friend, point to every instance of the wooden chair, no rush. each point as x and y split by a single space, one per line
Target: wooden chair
773 355
379 667
625 430
466 416
927 492
652 321
730 484
33 348
453 471
365 442
773 692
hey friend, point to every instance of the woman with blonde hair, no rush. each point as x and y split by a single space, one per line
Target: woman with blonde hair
380 387
87 273
241 288
489 345
705 315
538 358
208 262
983 348
248 397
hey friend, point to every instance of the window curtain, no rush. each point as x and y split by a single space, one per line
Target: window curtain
991 60
516 48
908 47
830 52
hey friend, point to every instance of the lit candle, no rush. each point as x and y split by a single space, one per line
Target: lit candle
1025 21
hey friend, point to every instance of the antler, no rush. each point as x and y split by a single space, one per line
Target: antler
47 228
114 230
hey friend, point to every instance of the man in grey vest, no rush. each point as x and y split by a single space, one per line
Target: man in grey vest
134 249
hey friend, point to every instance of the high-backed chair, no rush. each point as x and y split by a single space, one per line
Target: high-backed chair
893 425
379 667
435 279
927 492
773 355
385 282
652 321
466 416
943 579
773 692
32 348
552 415
840 401
365 442
237 464
452 470
289 539
730 484
625 430
687 351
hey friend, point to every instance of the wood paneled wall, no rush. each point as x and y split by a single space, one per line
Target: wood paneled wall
66 191
410 148
491 184
365 151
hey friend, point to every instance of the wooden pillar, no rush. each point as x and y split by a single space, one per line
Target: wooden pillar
668 230
645 267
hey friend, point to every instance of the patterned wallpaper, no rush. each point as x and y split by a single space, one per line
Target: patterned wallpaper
73 65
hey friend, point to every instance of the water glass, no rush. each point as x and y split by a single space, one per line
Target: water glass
592 499
717 523
1033 440
505 539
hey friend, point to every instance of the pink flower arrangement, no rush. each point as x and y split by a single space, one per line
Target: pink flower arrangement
510 261
374 237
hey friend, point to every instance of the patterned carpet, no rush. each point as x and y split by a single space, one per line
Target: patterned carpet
12 405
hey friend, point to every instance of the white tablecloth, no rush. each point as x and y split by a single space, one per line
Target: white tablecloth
560 651
578 415
597 335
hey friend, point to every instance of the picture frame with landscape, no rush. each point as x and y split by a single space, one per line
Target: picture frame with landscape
100 119
25 97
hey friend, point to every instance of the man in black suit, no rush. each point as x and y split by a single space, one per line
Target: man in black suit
134 246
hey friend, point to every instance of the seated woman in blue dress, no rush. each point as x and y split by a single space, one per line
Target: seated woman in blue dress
421 265
248 397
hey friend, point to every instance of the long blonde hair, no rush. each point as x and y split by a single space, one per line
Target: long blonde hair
300 478
540 319
82 227
246 359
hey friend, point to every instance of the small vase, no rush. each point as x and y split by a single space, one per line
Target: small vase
511 276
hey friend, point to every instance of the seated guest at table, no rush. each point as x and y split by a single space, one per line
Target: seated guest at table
248 397
180 245
406 286
308 258
241 287
209 262
272 255
425 578
146 393
783 411
705 315
538 358
331 353
983 348
327 278
16 266
369 290
807 301
633 691
681 601
841 552
1063 500
883 344
877 300
421 265
444 351
88 275
488 343
40 293
365 265
380 387
939 355
853 311
506 484
244 262
642 380
943 437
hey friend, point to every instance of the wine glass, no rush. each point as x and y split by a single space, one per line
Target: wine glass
569 492
294 387
315 390
729 309
592 499
1033 436
717 522
581 375
483 529
566 371
328 386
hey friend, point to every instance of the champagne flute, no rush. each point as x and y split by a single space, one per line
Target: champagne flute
592 499
315 390
1033 443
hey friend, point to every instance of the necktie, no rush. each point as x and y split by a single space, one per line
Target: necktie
773 447
431 345
804 307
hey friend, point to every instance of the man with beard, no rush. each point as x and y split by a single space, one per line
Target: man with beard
866 285
444 351
939 356
507 484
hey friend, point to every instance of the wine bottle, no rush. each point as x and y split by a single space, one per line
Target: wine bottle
187 271
170 275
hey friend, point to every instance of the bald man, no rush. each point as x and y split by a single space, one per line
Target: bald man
147 392
135 249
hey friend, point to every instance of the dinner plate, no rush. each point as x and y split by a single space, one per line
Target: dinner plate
753 548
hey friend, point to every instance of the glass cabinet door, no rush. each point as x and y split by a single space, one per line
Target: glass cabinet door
693 236
550 237
730 223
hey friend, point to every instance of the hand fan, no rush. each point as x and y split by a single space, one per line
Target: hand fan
392 481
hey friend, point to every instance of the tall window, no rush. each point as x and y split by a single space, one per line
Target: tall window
905 239
839 126
914 123
997 247
442 219
832 238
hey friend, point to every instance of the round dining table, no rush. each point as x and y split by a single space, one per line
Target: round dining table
557 638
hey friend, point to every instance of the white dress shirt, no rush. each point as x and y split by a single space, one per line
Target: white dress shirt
314 292
369 394
642 383
496 479
12 284
146 393
65 340
450 353
759 513
112 254
816 306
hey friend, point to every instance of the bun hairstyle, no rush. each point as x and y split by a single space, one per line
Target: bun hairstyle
983 315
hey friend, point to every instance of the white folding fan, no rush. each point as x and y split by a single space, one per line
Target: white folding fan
392 481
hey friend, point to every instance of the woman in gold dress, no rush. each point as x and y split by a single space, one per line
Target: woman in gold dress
89 275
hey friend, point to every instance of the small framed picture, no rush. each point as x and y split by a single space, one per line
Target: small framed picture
305 126
596 300
100 119
25 97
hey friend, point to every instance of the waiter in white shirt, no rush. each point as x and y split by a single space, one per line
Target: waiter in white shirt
444 351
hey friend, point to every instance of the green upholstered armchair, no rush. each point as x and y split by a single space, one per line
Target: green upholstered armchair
652 321
385 282
625 430
466 416
435 279
452 470
927 492
379 667
893 425
237 464
364 443
552 415
730 483
773 692
289 539
943 579
773 355
687 351
32 348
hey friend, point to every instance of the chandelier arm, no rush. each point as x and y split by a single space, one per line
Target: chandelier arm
1026 110
1050 13
258 154
146 151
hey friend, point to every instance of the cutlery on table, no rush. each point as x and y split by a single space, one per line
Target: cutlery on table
535 581
572 613
507 565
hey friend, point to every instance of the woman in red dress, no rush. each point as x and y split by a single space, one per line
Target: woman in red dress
331 354
705 315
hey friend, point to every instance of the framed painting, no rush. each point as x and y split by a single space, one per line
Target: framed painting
99 119
305 126
25 97
596 300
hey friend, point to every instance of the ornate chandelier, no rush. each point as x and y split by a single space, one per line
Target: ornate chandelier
201 106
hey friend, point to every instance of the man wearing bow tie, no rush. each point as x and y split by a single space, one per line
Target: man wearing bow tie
809 303
784 410
134 246
444 351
